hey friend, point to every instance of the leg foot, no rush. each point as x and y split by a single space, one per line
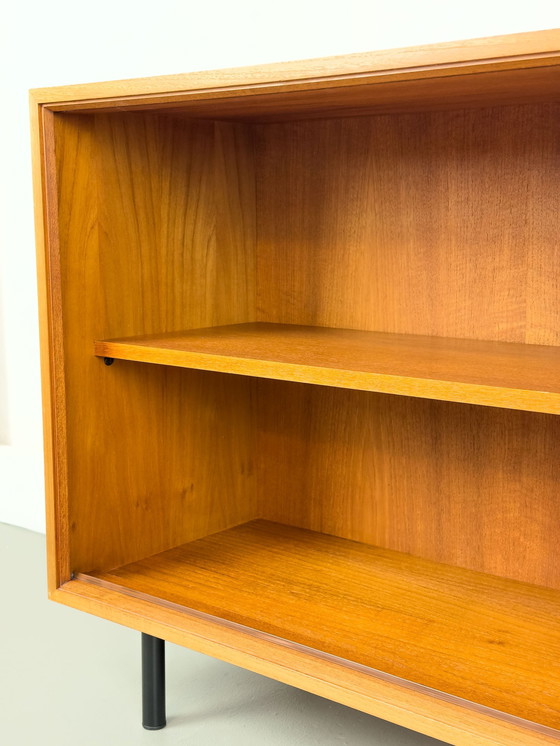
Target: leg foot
153 682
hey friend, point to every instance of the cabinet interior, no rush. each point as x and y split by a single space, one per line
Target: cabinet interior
429 211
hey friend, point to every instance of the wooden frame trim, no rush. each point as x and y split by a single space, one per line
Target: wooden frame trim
533 49
455 721
51 346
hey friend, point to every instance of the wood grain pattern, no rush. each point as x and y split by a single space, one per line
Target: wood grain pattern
439 224
455 722
151 249
470 486
500 374
456 90
177 222
487 640
52 356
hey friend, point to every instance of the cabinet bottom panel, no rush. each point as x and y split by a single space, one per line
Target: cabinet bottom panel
490 641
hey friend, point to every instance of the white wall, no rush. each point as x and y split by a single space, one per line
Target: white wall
65 41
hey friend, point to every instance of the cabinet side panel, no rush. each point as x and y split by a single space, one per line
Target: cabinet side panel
176 223
51 336
470 486
156 456
438 223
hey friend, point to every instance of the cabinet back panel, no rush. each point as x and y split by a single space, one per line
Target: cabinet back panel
155 232
438 223
466 485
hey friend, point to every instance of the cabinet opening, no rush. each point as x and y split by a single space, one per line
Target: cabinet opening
371 278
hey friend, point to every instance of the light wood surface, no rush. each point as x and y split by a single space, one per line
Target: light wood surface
52 358
150 249
495 373
440 716
471 486
487 640
466 57
454 91
441 223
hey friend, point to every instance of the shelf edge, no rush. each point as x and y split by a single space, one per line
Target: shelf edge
423 388
444 717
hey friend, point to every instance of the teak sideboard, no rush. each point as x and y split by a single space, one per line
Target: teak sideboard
301 368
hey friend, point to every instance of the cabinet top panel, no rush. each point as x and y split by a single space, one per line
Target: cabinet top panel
502 69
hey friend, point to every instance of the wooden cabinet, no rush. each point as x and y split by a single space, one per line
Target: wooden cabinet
301 354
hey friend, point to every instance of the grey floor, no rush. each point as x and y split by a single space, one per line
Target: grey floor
67 678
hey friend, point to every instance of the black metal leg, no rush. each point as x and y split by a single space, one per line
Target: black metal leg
153 682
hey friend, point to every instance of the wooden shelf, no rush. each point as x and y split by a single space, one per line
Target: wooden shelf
492 641
500 374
